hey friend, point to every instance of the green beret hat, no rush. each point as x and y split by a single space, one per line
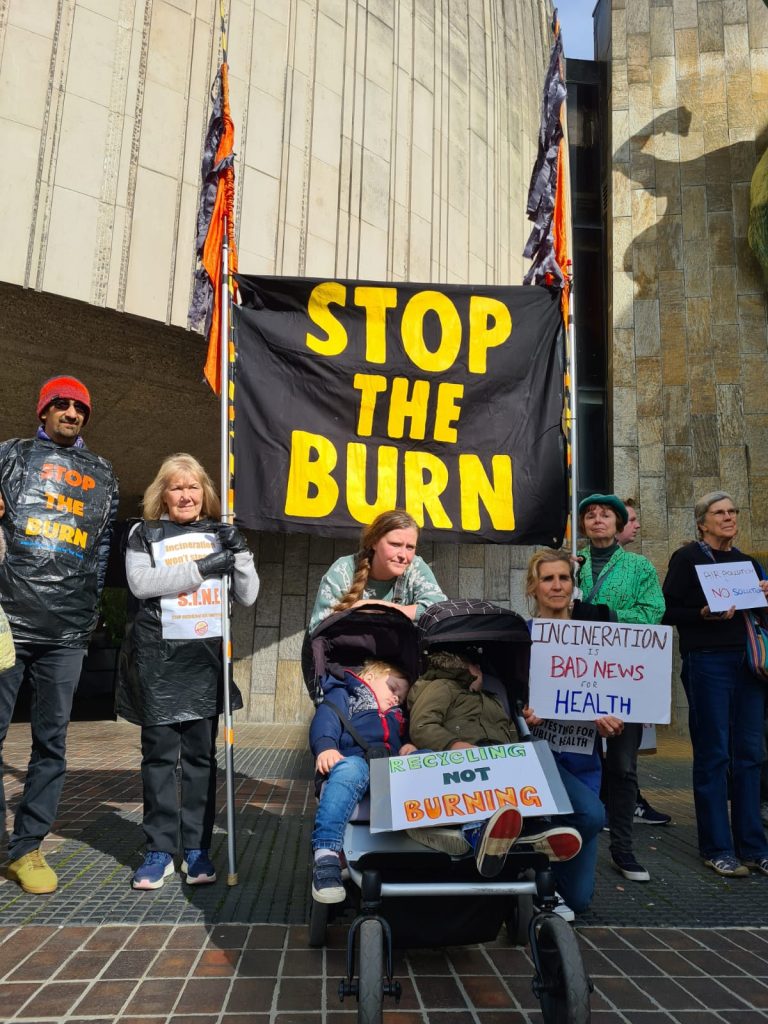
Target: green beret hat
611 501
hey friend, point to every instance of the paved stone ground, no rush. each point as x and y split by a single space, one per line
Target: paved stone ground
688 946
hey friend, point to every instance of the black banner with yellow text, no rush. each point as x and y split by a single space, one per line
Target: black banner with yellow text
355 397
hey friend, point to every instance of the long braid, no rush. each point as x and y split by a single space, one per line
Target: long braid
395 519
359 581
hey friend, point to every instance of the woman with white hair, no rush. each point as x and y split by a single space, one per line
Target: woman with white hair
171 662
726 700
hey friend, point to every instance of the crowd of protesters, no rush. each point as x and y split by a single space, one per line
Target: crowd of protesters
58 502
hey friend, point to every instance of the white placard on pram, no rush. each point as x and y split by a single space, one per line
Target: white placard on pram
452 787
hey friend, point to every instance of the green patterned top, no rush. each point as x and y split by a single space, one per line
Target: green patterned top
631 587
416 586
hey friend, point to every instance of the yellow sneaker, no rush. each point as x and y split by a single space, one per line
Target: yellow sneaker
33 873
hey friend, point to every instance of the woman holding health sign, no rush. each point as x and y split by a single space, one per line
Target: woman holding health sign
549 587
386 570
726 701
628 584
170 664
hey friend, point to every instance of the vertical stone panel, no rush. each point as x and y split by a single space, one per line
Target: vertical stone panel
695 158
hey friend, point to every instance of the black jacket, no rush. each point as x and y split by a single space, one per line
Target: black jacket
685 599
162 681
60 504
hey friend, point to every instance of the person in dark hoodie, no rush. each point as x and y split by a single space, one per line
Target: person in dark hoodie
58 502
370 698
170 679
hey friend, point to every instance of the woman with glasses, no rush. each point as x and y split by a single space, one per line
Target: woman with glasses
726 701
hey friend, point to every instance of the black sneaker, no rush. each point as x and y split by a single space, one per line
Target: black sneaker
327 886
629 867
647 815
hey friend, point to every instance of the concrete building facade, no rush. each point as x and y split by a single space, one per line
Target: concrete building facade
374 138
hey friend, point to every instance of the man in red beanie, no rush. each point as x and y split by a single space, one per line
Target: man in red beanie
58 502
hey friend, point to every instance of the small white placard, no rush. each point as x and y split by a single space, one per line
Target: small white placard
194 614
452 787
583 670
730 584
567 737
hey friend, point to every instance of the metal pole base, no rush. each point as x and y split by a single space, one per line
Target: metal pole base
232 878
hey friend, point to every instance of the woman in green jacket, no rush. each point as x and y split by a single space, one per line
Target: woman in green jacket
628 584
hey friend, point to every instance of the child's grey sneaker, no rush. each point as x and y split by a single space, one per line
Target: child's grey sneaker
327 886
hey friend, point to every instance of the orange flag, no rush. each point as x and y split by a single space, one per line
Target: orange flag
216 209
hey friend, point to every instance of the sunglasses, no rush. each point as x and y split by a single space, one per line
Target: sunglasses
62 404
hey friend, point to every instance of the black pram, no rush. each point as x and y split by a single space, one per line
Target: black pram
409 895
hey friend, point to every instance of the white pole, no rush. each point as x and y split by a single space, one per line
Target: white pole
226 517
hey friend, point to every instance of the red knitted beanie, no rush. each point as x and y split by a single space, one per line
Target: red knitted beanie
63 387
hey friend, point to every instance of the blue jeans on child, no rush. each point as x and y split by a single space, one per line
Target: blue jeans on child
346 786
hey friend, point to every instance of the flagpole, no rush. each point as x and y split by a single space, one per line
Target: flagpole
226 517
571 360
573 419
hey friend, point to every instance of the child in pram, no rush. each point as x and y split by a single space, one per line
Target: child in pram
455 705
363 707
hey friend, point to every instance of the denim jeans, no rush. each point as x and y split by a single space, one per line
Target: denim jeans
52 674
727 708
346 786
576 878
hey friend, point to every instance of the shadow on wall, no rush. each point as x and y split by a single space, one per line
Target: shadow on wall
705 222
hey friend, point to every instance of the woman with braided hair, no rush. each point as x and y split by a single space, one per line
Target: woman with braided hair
386 570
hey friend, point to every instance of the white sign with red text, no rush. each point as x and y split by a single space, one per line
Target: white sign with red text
584 670
730 585
193 614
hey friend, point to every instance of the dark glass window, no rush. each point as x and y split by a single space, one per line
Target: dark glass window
586 116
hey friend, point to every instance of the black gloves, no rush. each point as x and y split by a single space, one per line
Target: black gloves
231 538
217 564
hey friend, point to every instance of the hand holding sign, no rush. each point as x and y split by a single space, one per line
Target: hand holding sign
730 585
584 671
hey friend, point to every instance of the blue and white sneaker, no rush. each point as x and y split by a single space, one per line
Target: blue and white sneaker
198 867
327 886
153 871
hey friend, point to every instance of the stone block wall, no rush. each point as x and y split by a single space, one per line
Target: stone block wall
689 103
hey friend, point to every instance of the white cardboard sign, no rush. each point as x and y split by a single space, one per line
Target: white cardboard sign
453 787
194 614
583 670
730 584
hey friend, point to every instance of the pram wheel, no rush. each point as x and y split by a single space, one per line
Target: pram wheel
370 993
318 923
519 918
561 984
